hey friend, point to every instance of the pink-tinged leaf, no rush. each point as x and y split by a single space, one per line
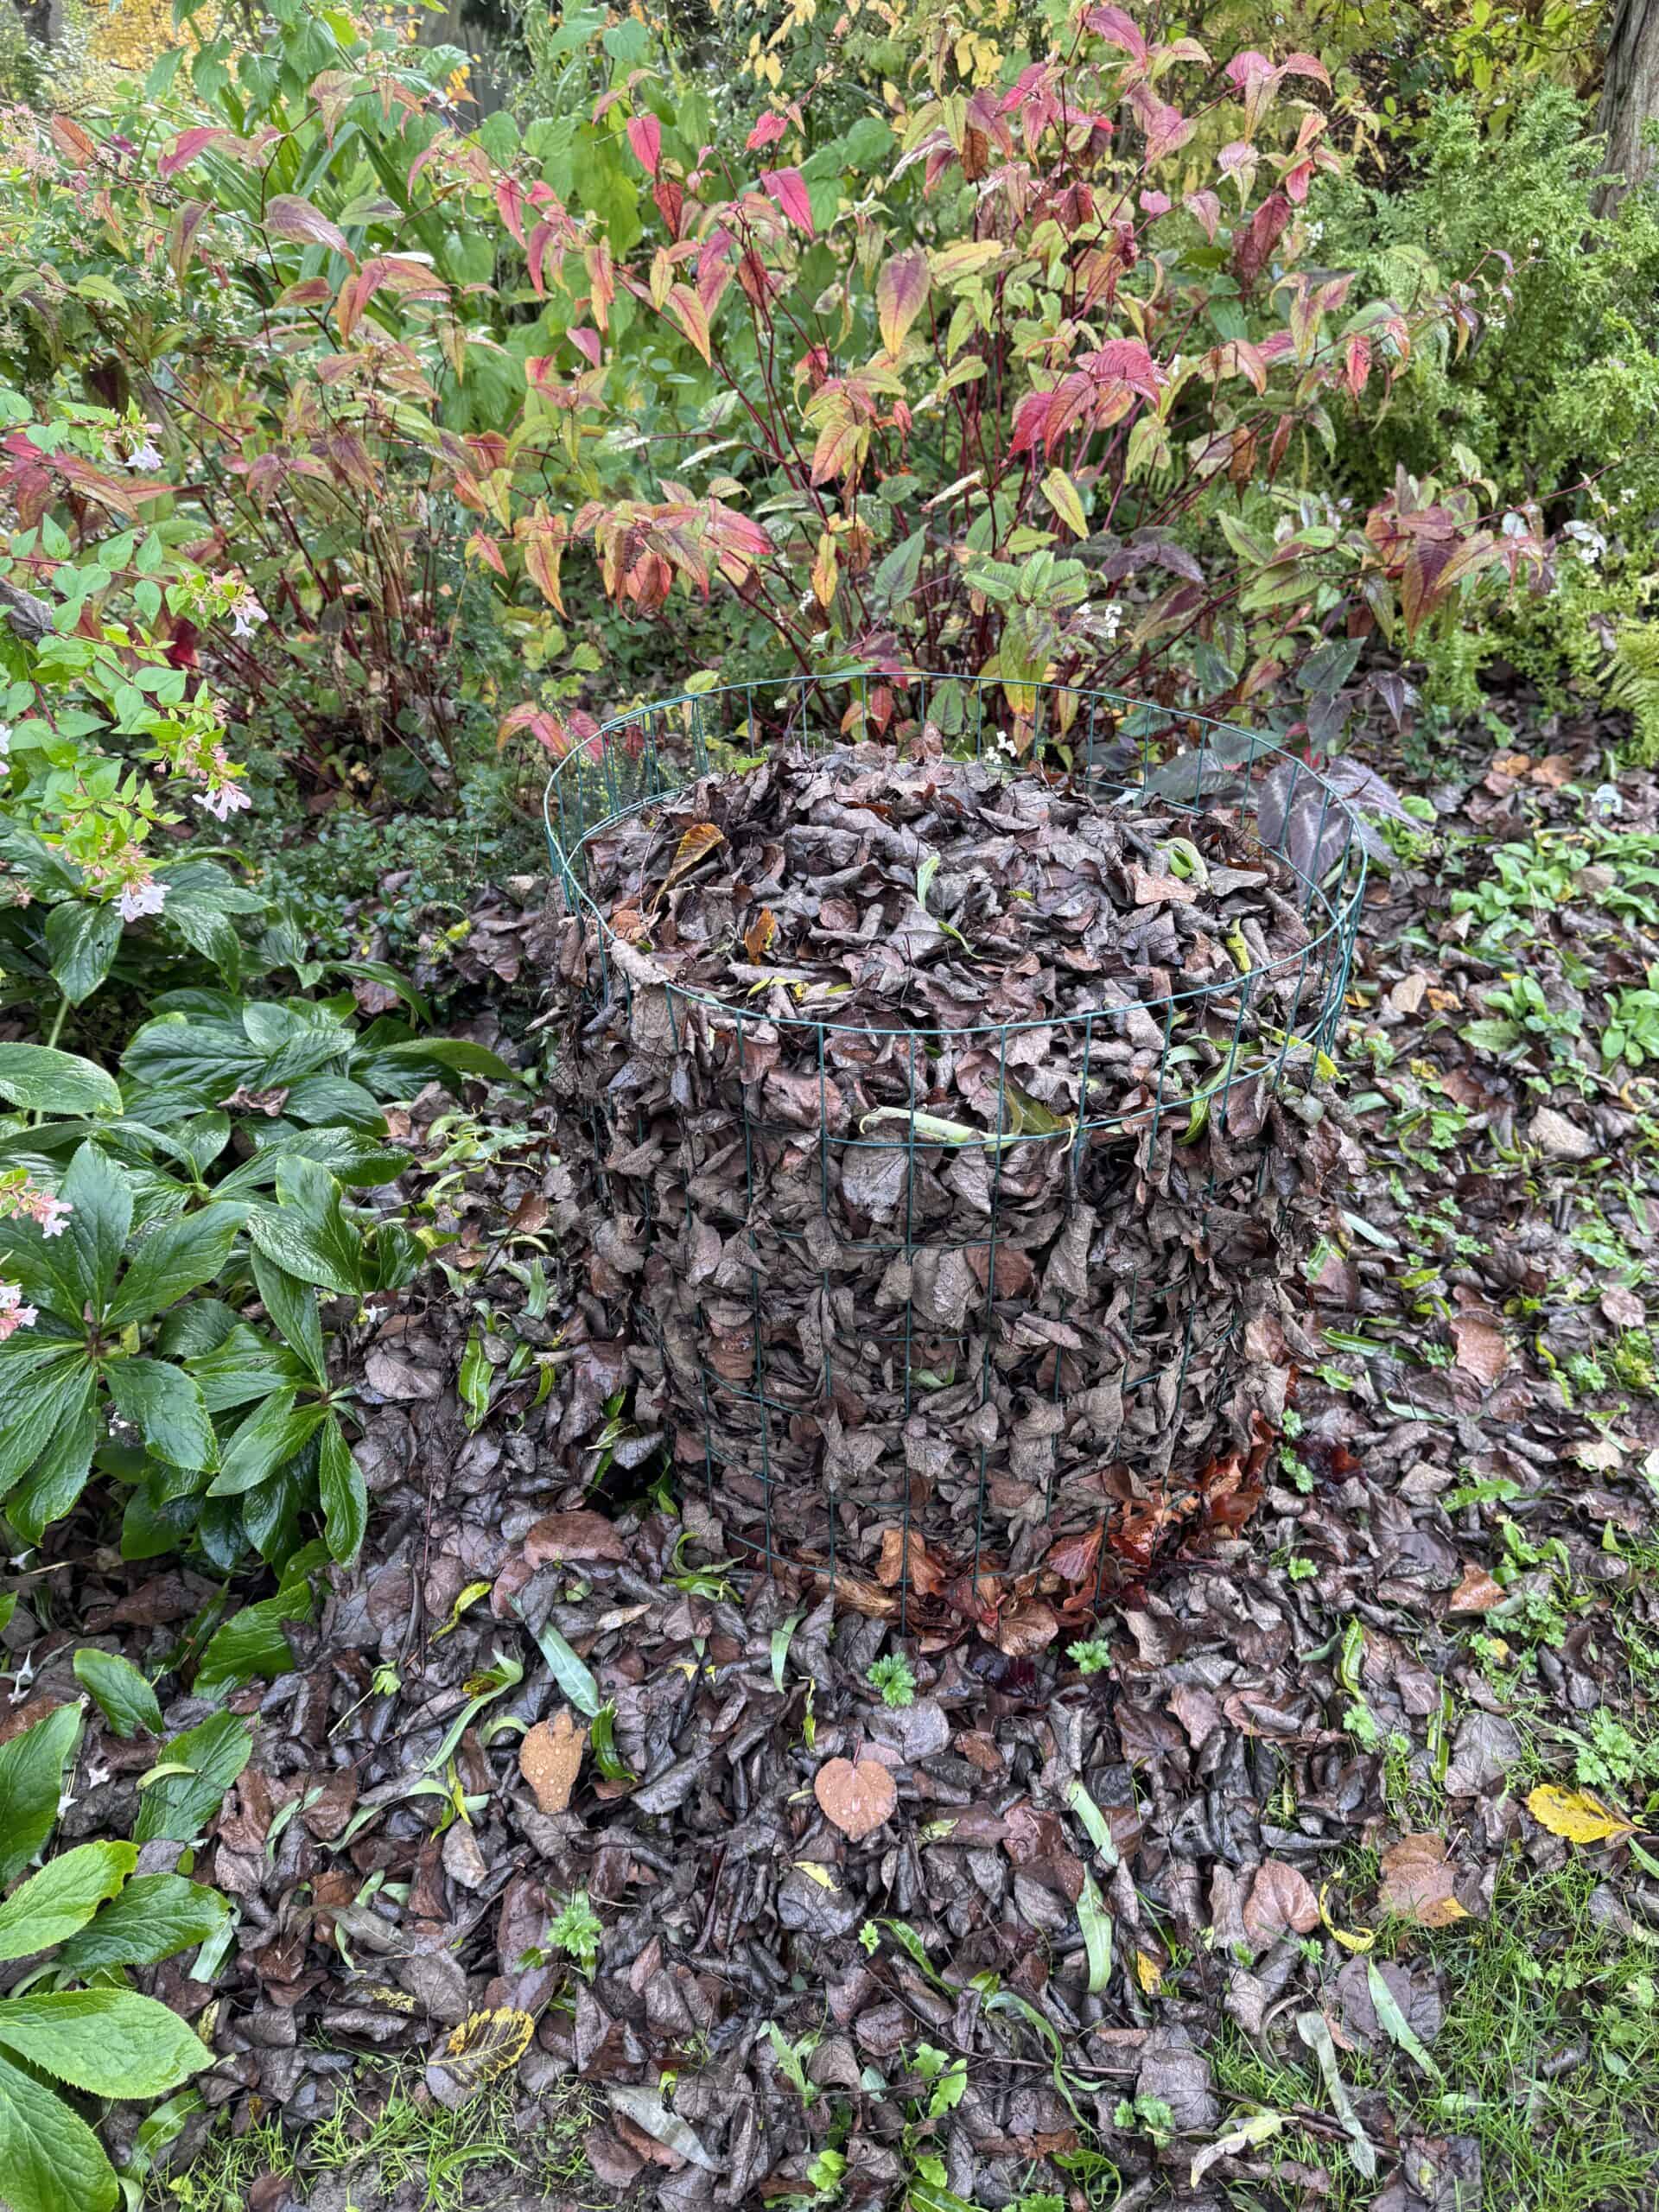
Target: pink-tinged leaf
586 342
187 146
1357 364
1254 243
1295 181
1206 210
486 550
1155 204
788 188
602 276
509 206
1306 65
1117 29
900 294
536 254
645 136
290 217
768 130
687 311
671 203
1248 67
78 146
309 292
1167 129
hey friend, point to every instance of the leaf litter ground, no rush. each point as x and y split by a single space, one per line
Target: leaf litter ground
1242 1904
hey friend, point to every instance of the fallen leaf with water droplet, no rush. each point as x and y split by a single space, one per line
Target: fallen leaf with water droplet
857 1799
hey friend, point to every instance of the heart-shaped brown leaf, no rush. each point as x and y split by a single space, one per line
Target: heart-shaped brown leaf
857 1799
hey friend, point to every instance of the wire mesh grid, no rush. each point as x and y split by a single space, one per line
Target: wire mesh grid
857 1354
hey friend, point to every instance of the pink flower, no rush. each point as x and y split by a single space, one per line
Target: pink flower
21 1200
14 1314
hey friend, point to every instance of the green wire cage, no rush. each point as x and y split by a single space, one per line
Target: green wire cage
895 1351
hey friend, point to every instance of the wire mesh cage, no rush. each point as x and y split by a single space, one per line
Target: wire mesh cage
910 1343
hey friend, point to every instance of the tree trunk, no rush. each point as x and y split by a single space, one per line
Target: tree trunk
1630 98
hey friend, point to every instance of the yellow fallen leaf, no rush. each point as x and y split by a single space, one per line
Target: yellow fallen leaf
1575 1814
1148 1972
1351 1939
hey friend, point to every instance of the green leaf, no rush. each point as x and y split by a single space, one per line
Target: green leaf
476 1376
251 1646
1097 1925
345 1495
1395 2023
44 1080
292 1304
125 1698
427 1059
81 940
63 1896
328 1252
272 1433
96 1236
31 1782
897 571
179 1806
166 1406
155 1916
177 1258
571 1671
111 2042
49 2159
67 1408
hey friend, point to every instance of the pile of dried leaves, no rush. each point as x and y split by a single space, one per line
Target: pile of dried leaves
954 1133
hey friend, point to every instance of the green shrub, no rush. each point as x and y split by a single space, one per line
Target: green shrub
83 1918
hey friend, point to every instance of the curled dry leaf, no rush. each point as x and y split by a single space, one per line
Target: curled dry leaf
1417 1880
550 1758
857 1799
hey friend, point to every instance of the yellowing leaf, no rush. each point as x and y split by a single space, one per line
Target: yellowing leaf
1575 1814
689 312
469 1596
825 569
702 837
900 294
1351 1939
1063 496
486 2045
1148 1972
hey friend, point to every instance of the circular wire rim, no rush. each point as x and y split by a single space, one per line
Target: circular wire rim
1343 918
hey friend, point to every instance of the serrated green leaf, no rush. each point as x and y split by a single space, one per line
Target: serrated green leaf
81 942
176 1257
166 1406
155 1916
213 1753
292 1305
343 1492
111 2042
51 1905
50 2161
31 1782
45 1080
270 1435
126 1700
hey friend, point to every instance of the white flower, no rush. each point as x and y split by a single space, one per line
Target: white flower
144 455
145 896
226 800
5 740
1587 540
247 614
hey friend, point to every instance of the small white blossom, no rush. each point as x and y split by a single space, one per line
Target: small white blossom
226 800
145 896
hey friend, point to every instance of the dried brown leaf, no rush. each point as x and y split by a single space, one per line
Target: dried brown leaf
1417 1880
857 1799
549 1759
